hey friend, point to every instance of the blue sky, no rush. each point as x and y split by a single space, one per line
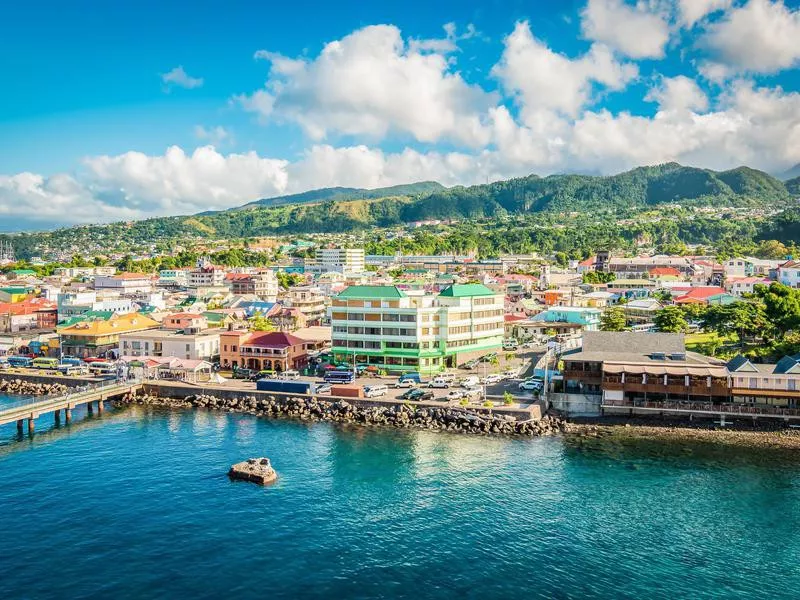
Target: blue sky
283 97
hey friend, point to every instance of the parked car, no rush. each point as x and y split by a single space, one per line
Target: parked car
439 382
470 364
492 378
405 383
510 373
375 391
531 385
455 394
488 357
473 393
470 381
291 374
417 395
510 345
449 377
322 388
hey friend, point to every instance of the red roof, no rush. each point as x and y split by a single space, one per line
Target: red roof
700 294
514 318
665 271
237 276
273 339
589 262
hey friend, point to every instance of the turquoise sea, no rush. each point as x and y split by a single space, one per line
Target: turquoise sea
136 504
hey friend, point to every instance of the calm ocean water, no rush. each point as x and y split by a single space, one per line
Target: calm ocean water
136 503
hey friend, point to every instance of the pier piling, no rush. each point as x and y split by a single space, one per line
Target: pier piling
67 415
31 425
19 426
57 417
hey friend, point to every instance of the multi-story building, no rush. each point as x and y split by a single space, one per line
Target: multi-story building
206 275
628 366
789 273
586 318
261 350
401 331
124 283
72 304
771 384
263 285
101 337
338 260
185 343
308 300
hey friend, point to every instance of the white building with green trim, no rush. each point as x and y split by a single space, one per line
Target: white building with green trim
400 331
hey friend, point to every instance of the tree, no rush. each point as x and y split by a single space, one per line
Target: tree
781 307
771 249
613 319
670 319
598 277
261 323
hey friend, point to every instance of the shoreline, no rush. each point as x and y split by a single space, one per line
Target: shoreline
694 433
405 415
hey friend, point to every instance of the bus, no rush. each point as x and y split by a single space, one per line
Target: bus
339 376
20 361
45 363
70 370
102 368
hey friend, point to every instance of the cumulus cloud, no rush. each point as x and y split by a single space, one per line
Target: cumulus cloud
677 94
692 11
634 30
179 77
373 83
216 136
543 80
759 37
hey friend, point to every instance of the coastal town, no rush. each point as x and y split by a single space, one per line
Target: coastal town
607 335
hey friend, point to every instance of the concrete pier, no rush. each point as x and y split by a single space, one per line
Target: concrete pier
67 415
31 425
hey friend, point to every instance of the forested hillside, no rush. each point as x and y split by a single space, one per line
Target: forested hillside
336 210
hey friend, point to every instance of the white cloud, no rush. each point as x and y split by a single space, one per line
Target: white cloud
214 135
636 31
543 80
677 94
372 83
179 77
692 11
760 37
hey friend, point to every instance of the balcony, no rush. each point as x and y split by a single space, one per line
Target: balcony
263 352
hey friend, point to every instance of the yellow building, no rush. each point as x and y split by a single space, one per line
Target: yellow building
101 338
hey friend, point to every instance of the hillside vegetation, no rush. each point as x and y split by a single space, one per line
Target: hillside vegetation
343 209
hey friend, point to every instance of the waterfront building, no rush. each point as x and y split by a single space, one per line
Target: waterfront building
628 366
401 331
260 350
101 337
186 343
775 384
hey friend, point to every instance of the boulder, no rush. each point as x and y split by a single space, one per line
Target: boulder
257 470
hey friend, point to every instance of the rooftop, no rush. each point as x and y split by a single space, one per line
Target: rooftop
464 290
371 291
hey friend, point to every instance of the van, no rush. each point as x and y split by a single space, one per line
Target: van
415 377
470 381
4 363
291 374
375 391
448 377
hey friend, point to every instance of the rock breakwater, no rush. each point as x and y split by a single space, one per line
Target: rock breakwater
403 416
19 387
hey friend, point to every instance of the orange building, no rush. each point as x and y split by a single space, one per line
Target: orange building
261 350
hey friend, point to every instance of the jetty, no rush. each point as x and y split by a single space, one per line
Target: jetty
29 410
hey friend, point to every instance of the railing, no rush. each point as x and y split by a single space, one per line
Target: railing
76 392
735 409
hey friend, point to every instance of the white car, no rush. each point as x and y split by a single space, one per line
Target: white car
531 385
375 391
473 392
510 373
470 381
493 378
439 382
289 375
456 394
405 383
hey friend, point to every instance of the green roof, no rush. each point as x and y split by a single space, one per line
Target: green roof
15 290
371 291
462 290
23 271
214 317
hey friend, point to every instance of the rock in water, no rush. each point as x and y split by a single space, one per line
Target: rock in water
257 470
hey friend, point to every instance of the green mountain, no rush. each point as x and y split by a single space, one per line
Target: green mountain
792 173
344 194
343 209
793 185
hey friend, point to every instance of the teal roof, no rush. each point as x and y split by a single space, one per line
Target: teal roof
371 291
463 290
23 271
15 290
